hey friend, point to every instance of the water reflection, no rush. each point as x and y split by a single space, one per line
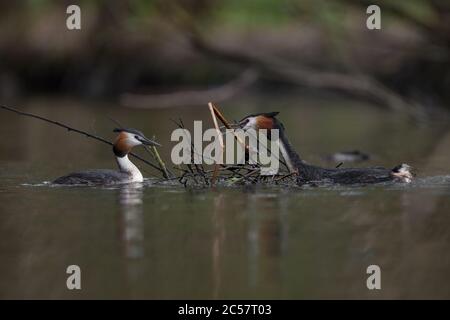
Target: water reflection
219 233
267 235
131 220
257 226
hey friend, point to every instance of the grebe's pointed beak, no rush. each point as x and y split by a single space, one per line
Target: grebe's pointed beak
148 142
236 125
241 124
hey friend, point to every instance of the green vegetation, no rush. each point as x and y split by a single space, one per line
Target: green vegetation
151 46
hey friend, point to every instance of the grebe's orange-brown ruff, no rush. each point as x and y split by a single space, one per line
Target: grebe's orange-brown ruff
127 173
310 173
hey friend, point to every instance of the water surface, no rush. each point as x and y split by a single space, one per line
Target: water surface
160 241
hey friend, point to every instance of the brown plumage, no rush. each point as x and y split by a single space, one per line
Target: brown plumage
122 146
264 122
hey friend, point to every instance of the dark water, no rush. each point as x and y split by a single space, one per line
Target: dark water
158 241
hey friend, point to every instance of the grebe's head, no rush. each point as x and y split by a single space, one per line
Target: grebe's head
129 138
261 121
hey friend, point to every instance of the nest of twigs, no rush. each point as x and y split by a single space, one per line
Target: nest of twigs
198 175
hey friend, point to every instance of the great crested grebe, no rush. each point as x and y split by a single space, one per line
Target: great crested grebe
310 173
128 172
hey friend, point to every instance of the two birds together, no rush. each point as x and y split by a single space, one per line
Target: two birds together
306 173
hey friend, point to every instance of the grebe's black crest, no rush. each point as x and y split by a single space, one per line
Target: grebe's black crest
265 114
266 120
129 130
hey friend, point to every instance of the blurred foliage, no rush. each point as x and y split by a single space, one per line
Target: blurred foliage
256 13
128 44
253 13
419 10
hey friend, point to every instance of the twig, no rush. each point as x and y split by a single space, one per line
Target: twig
220 115
244 177
87 134
285 176
219 135
161 163
116 122
226 123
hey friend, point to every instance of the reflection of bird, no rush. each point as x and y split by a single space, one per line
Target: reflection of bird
128 172
310 173
132 219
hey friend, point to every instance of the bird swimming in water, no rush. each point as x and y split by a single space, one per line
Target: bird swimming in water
127 173
307 173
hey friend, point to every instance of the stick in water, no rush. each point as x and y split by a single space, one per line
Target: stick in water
219 135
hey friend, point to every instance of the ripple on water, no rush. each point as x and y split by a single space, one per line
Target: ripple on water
441 182
433 182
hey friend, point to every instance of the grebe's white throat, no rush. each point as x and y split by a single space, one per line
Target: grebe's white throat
128 167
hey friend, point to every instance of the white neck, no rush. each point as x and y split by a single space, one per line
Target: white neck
286 157
126 166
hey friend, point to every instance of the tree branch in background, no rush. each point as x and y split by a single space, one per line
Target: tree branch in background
358 85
